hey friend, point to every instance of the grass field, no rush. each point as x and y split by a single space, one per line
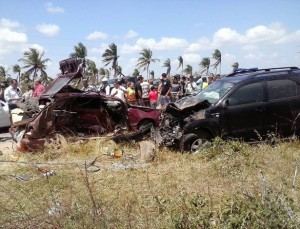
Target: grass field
228 185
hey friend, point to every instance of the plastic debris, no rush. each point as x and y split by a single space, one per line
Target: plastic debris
13 158
55 210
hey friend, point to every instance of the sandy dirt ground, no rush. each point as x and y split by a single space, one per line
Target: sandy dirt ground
7 151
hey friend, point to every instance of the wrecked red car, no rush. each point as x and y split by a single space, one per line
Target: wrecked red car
72 112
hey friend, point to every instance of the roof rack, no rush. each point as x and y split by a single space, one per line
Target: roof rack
249 70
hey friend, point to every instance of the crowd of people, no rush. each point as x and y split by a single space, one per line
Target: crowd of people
12 94
141 92
145 93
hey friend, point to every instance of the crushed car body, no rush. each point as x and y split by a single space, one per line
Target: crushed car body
63 109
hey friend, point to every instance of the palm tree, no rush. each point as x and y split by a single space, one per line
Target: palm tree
235 66
188 69
4 74
17 69
45 80
145 60
25 79
92 71
167 64
205 64
33 61
103 72
110 55
180 59
80 52
218 57
136 72
152 74
119 71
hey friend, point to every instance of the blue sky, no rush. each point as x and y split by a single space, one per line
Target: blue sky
254 33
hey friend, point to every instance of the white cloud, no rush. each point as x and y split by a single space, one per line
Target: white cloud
202 44
131 34
226 36
127 49
191 58
258 55
54 10
261 33
228 58
249 47
97 36
8 23
11 36
166 43
100 50
48 29
11 41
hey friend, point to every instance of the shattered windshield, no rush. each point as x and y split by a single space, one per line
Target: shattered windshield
214 91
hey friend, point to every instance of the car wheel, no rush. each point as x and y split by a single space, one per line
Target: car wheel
197 143
144 123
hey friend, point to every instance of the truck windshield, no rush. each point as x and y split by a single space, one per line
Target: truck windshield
215 91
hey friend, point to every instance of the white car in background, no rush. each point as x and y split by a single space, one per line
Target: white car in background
4 115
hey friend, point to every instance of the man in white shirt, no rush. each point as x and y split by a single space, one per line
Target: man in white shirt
145 92
12 94
104 88
118 91
191 86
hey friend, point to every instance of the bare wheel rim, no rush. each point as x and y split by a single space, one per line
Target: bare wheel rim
197 145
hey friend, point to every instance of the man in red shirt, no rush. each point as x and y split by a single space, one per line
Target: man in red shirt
38 88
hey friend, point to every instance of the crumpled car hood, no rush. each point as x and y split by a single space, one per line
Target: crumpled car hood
186 106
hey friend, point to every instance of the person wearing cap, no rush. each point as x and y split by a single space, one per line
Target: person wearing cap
38 87
104 88
86 86
12 94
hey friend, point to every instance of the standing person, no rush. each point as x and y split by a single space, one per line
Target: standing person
86 86
38 87
29 93
153 97
210 79
138 90
145 90
165 91
182 91
12 94
104 88
131 98
2 88
204 84
118 91
175 88
199 83
191 86
217 77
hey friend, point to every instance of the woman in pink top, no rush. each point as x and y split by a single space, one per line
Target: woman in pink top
38 88
153 96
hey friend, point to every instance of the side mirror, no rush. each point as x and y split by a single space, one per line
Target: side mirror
225 104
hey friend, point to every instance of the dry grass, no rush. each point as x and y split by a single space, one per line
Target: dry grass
176 190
